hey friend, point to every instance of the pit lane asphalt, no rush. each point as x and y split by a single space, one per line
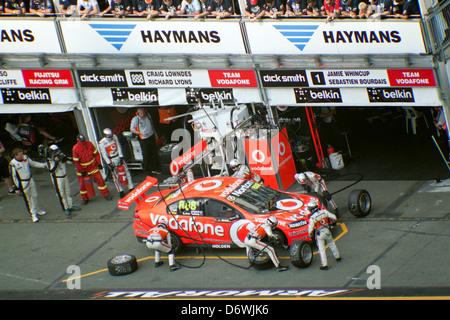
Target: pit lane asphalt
407 235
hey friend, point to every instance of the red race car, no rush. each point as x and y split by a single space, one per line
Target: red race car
217 210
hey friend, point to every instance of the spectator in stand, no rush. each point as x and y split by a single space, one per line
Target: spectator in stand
221 8
349 8
273 9
107 9
374 9
393 7
87 8
332 9
312 9
149 8
16 7
67 7
190 7
295 8
254 9
120 8
409 7
41 7
170 8
362 10
204 5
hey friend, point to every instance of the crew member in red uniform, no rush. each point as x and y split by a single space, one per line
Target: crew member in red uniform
87 161
159 240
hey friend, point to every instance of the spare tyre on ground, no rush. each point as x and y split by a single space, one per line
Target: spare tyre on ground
359 203
122 264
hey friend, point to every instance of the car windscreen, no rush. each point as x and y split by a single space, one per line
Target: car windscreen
254 197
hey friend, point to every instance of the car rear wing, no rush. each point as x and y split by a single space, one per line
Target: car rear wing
138 194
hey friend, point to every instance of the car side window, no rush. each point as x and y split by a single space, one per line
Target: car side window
218 209
190 206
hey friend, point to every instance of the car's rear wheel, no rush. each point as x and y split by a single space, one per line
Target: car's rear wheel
301 254
259 260
177 244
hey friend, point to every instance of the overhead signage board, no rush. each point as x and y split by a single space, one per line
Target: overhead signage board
336 38
10 78
360 97
339 78
168 78
142 37
28 36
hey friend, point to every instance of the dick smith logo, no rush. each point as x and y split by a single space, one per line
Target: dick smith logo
115 34
11 96
298 35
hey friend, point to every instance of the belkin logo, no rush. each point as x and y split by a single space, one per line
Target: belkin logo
115 34
299 35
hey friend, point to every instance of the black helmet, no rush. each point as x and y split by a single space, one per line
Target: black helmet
81 137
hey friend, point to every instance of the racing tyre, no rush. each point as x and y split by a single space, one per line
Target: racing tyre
122 265
301 254
260 261
359 203
177 244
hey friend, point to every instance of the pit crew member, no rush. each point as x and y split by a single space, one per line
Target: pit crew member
160 241
320 224
112 154
313 182
20 171
260 231
244 172
56 163
87 161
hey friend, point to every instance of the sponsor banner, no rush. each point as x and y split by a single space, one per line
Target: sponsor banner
28 36
102 78
48 78
317 95
284 158
26 96
36 79
135 97
260 162
339 37
168 78
209 95
346 97
412 78
348 78
141 37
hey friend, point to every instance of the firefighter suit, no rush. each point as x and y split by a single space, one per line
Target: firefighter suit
159 239
313 182
321 221
88 163
257 233
111 152
20 170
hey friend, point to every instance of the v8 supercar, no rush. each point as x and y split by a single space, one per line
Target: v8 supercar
216 211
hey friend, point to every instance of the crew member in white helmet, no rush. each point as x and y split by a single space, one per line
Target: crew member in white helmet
313 182
244 172
56 163
320 224
260 231
112 154
159 239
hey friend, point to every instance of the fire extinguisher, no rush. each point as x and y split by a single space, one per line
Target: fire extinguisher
330 150
89 186
122 175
